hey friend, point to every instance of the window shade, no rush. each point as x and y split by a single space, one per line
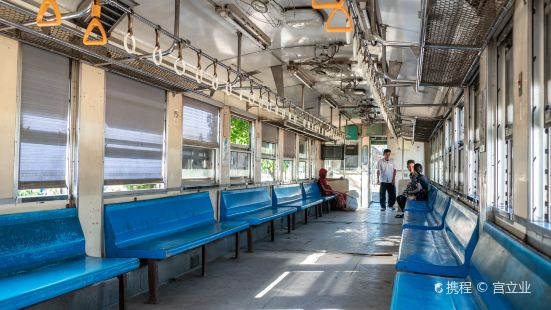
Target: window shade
200 121
269 133
290 148
45 93
134 132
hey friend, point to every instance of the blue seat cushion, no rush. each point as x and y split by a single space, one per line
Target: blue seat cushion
416 291
175 243
303 204
417 206
40 284
265 215
421 220
427 251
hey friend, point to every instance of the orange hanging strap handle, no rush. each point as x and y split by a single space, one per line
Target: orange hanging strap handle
327 5
40 22
348 21
95 23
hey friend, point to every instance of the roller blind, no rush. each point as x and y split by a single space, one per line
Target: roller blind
200 122
290 148
45 94
134 132
269 133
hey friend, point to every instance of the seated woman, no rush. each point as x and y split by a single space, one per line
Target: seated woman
326 190
420 185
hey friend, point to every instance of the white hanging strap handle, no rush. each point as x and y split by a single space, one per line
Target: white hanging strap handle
229 87
215 81
130 36
240 89
157 54
199 70
179 64
251 94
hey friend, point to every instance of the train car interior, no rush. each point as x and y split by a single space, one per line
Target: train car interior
275 154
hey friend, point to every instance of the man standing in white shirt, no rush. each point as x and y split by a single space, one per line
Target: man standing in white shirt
386 176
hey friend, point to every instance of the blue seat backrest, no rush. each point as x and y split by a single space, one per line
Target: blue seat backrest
34 239
441 204
501 258
461 229
243 201
311 190
133 222
286 193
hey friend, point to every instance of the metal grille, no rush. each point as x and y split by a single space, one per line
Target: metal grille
68 42
454 33
446 67
423 129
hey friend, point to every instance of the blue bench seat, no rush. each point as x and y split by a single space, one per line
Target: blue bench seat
429 220
312 190
253 205
293 196
444 252
178 242
160 228
498 258
42 256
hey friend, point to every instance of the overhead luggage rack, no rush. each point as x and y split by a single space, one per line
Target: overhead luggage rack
453 34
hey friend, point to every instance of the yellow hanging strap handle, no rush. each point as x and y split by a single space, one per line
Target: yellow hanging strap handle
335 7
40 22
95 23
348 20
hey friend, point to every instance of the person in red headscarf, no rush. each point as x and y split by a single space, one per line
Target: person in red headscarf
326 190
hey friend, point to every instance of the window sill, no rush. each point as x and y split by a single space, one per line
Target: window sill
135 193
42 198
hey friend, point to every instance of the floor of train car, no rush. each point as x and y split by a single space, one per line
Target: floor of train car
344 260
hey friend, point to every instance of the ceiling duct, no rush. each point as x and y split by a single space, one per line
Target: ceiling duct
453 34
243 24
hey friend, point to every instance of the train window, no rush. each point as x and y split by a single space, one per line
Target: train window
288 170
200 142
289 154
505 114
134 135
241 154
45 95
541 120
270 137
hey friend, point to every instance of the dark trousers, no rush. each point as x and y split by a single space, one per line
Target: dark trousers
391 189
402 199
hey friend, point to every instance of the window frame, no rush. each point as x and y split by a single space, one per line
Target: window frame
195 144
243 149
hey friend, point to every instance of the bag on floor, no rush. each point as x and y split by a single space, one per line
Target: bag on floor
352 200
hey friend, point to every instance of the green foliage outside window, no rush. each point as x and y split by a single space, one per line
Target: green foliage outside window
240 131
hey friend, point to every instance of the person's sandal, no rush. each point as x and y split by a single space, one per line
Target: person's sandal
399 216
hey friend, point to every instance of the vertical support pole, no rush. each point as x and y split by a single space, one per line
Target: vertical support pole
250 240
153 279
294 221
316 211
236 245
306 216
203 260
122 289
272 230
